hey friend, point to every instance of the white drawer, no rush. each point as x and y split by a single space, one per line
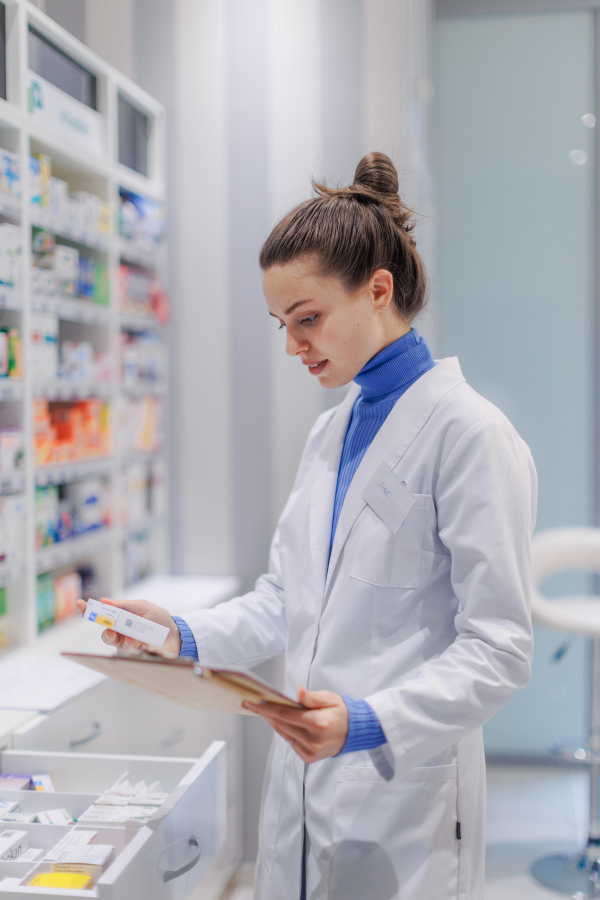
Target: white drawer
163 860
115 718
101 720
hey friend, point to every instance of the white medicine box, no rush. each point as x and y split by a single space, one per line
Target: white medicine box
163 859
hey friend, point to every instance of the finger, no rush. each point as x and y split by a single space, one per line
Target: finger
131 644
81 605
298 717
112 638
291 733
302 748
318 699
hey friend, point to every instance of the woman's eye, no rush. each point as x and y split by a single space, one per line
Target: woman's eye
309 320
280 326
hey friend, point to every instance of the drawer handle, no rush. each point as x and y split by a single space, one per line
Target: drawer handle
177 736
94 733
190 842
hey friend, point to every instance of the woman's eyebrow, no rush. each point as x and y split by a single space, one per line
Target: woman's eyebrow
294 306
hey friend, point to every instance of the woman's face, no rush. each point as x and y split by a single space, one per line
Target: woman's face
332 331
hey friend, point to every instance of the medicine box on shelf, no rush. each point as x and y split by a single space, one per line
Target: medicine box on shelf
163 859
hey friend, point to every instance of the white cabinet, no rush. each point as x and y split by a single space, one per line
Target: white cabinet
163 860
113 718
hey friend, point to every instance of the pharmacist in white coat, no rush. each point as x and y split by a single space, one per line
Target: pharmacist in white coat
398 583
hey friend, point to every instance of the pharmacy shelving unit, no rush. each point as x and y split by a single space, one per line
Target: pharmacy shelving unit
109 142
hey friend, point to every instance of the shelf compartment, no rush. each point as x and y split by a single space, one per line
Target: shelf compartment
142 390
133 322
131 254
67 474
72 310
68 552
150 524
10 298
57 390
12 482
40 219
10 206
11 389
11 573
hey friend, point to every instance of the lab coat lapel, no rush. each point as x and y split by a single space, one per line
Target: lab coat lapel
391 442
323 488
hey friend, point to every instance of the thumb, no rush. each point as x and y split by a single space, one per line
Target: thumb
317 699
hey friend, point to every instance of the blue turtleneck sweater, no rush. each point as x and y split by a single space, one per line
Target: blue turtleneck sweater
382 381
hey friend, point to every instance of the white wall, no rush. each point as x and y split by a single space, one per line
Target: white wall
109 31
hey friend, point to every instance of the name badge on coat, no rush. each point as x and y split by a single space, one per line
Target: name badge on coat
388 497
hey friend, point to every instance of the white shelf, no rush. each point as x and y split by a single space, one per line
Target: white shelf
11 389
67 474
142 390
73 550
10 206
11 573
12 483
149 524
134 322
100 173
70 390
71 309
10 298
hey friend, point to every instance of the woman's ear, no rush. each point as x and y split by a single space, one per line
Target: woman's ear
381 289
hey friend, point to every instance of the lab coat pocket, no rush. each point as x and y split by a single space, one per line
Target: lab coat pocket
396 839
382 558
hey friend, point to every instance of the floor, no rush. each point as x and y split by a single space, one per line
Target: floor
531 812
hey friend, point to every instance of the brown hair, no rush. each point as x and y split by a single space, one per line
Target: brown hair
354 231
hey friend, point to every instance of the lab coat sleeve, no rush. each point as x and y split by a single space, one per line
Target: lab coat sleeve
247 630
250 629
485 498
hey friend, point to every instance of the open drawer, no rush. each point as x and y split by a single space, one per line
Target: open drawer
161 860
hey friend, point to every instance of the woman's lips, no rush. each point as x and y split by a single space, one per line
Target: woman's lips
316 368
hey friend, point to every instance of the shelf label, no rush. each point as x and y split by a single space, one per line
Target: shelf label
74 120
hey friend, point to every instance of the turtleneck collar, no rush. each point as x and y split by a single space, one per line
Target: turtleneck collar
394 366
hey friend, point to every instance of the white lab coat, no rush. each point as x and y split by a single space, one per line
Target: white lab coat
430 624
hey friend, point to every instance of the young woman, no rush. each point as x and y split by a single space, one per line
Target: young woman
398 584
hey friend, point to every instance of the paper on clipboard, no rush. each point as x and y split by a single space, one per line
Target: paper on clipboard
185 682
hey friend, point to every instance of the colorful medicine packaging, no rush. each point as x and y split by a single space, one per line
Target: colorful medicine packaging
126 623
42 783
15 783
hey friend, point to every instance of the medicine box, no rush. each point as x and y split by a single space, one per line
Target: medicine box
13 843
90 859
126 623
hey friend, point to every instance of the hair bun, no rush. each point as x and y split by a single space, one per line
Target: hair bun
377 172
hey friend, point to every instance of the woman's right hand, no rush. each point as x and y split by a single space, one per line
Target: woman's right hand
146 610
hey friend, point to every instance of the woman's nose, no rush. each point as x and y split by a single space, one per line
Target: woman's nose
294 346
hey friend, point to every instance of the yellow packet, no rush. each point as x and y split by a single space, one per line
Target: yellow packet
70 880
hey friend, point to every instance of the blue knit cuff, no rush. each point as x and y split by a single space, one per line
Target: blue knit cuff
188 641
364 729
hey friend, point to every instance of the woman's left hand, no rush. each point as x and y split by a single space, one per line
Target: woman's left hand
314 733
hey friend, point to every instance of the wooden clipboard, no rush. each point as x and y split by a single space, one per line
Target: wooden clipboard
185 682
